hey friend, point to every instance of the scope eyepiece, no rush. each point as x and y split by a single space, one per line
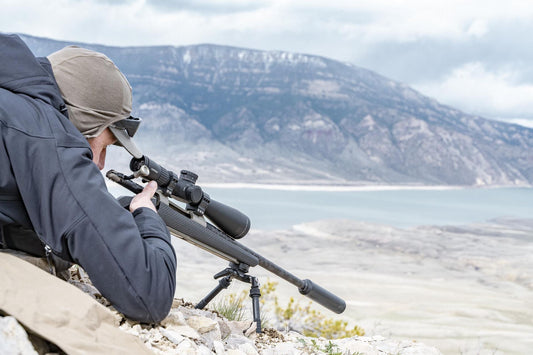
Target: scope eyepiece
155 171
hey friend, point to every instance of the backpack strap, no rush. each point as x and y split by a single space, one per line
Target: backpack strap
20 238
2 240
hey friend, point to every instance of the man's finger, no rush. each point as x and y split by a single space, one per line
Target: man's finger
150 188
142 199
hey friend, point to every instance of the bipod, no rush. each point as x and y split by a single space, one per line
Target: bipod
239 272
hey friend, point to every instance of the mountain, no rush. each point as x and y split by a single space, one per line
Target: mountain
234 114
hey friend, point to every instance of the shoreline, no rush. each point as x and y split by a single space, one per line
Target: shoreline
324 187
348 188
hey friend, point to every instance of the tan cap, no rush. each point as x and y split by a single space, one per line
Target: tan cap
96 93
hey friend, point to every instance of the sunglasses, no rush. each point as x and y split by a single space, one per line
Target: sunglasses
130 124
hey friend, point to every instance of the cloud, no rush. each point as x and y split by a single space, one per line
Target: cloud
426 44
497 44
310 26
520 121
207 7
478 28
410 20
112 2
474 89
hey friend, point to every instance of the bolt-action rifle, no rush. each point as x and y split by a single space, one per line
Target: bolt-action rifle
219 236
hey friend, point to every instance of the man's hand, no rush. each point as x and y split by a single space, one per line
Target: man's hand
142 199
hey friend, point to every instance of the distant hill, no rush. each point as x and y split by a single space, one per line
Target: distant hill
234 114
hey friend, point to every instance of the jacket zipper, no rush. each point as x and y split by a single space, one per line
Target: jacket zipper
48 251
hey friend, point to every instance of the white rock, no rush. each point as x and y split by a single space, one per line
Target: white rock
238 327
128 329
172 335
212 336
292 335
191 312
13 338
248 349
136 329
234 352
145 336
251 331
225 330
235 340
387 346
420 349
204 350
187 347
354 347
202 324
175 317
285 349
185 331
155 335
219 347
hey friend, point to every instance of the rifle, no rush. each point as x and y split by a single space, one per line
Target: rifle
218 237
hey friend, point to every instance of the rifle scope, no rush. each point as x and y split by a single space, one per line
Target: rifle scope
183 188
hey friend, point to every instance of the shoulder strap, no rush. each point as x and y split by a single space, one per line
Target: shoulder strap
2 240
20 238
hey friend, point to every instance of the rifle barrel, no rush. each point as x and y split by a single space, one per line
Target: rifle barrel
306 287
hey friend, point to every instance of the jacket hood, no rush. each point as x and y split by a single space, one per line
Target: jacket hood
22 73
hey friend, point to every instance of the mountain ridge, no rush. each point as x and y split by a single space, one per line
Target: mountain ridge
248 115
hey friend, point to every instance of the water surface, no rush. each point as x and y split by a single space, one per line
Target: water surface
275 209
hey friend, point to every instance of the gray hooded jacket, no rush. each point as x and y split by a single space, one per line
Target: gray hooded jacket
48 183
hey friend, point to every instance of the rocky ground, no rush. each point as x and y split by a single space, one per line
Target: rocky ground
461 290
187 330
190 331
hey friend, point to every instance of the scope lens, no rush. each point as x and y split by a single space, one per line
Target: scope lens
135 164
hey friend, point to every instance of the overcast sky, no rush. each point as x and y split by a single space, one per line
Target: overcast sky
476 55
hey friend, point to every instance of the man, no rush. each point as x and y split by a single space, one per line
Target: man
53 199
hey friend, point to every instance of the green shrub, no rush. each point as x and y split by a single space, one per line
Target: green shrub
232 306
292 316
305 319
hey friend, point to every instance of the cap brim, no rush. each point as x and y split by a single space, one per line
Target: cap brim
123 139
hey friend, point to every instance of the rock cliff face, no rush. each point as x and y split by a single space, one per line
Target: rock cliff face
250 115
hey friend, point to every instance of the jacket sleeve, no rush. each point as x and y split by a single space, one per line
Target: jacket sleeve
129 257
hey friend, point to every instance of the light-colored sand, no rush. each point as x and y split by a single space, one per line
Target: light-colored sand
465 290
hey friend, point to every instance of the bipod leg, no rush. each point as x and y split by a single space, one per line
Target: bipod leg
223 283
255 293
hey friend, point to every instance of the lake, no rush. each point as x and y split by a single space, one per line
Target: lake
280 209
275 209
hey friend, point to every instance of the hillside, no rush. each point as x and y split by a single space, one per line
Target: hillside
236 114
